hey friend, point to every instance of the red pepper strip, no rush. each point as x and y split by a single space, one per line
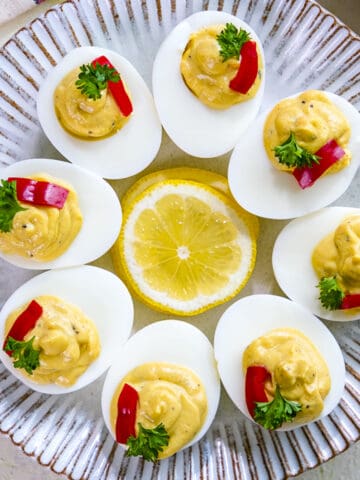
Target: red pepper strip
126 413
117 89
24 323
350 301
329 153
256 376
38 192
248 68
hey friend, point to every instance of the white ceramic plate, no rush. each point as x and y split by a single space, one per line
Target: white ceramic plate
304 47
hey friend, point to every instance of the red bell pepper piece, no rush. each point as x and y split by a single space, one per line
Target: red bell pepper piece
248 68
24 323
38 192
329 153
256 376
126 413
350 301
117 89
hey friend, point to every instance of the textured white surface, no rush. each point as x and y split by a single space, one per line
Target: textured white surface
14 464
12 8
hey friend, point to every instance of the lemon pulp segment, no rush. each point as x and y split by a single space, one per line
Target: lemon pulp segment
185 247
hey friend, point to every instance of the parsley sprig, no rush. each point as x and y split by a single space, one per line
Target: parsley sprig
273 414
148 443
24 353
93 79
291 154
331 295
9 205
231 40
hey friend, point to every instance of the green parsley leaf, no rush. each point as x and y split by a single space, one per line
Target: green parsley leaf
149 442
291 154
9 205
25 355
93 79
331 294
231 40
272 415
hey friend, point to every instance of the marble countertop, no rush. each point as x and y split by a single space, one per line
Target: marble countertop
16 465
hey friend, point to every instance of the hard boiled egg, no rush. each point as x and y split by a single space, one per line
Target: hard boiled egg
130 149
196 128
170 341
252 317
100 295
280 196
292 255
99 205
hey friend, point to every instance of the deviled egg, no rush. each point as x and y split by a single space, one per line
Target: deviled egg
104 121
194 72
62 329
321 245
322 129
41 236
288 350
158 387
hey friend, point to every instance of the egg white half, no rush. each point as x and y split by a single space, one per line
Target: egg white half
267 192
170 341
99 205
292 254
102 297
196 128
123 154
255 315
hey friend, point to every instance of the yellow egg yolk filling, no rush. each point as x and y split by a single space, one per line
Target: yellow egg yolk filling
43 233
207 75
68 341
338 255
169 394
296 367
314 120
84 117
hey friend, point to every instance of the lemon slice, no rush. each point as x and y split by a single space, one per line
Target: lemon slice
215 180
185 247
